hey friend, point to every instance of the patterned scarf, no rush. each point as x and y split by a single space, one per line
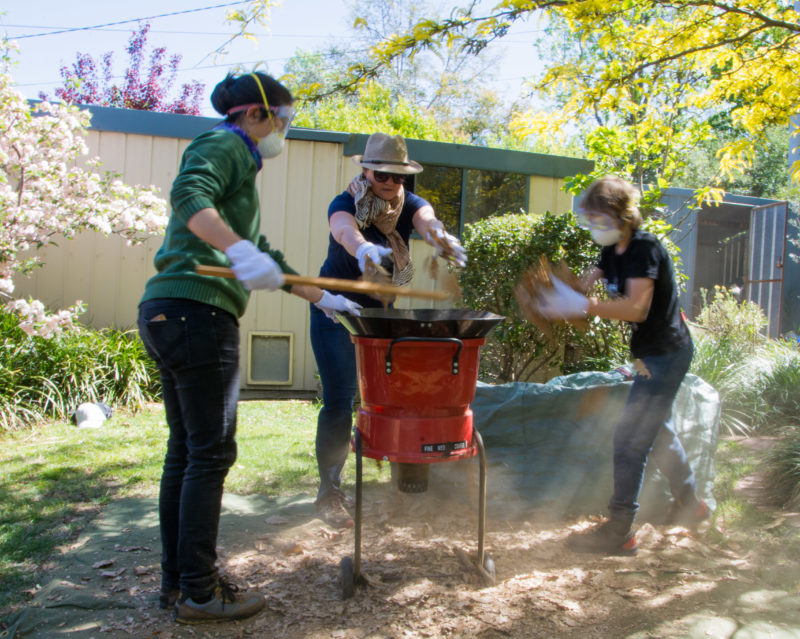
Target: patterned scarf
373 211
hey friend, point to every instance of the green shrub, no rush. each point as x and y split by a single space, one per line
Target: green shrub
757 378
501 249
736 326
44 378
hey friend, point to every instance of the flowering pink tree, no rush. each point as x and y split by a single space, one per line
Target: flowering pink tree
46 193
83 83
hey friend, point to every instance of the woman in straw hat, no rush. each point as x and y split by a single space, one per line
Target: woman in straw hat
371 223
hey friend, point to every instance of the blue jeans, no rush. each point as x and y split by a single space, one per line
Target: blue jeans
196 348
336 362
646 424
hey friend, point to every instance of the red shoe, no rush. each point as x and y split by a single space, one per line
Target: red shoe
605 540
688 516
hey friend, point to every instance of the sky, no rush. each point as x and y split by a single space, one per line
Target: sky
195 30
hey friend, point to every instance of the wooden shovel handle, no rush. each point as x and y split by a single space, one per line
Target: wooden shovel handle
351 286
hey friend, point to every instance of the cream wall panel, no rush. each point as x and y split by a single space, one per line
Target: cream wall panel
298 178
546 195
101 287
324 185
164 163
297 236
285 221
133 271
79 274
45 283
294 220
93 144
563 199
349 171
263 311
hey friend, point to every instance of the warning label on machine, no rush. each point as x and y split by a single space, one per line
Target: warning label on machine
445 447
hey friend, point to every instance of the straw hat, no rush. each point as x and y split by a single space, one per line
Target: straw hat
387 153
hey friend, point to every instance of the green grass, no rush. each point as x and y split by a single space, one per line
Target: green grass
735 518
55 478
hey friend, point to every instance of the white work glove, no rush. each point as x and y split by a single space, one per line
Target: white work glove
373 252
253 268
561 301
447 246
330 304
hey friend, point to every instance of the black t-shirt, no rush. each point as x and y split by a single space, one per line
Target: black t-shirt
663 330
342 265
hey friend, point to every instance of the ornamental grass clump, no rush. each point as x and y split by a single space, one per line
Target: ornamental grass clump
783 474
756 377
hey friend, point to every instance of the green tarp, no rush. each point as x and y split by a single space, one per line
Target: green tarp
549 446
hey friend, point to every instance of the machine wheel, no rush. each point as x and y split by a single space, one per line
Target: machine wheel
348 577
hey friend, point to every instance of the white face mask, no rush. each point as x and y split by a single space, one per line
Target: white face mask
606 237
271 146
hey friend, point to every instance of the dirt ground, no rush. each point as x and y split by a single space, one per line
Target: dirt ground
416 557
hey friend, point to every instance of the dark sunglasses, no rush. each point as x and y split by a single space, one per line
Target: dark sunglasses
381 176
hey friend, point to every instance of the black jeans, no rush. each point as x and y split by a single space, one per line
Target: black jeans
196 348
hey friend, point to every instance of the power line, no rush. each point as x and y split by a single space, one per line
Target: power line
164 31
188 70
111 24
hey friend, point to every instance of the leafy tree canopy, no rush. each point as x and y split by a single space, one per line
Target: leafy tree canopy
720 56
374 110
440 81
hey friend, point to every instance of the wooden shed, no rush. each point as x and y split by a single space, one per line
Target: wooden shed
463 182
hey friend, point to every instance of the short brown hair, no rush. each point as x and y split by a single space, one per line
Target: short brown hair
614 196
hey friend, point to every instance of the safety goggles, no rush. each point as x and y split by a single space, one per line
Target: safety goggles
598 221
382 176
283 115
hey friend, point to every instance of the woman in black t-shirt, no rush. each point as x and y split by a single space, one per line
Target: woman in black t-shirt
638 274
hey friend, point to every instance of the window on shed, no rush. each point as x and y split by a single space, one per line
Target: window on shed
478 193
441 186
491 193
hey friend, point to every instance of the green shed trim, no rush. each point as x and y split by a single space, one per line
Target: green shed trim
466 156
174 125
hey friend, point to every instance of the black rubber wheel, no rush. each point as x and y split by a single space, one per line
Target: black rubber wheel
488 566
348 578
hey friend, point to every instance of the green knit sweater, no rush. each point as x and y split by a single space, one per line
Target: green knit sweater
217 170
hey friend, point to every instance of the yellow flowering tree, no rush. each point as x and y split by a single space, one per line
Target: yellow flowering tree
721 56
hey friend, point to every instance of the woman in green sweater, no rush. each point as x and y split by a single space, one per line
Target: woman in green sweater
189 325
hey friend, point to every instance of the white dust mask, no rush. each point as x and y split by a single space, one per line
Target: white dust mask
606 236
271 146
602 226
